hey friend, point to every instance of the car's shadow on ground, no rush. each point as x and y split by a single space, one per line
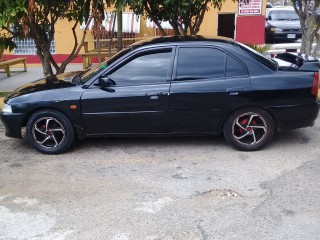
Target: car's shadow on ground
298 136
280 138
149 141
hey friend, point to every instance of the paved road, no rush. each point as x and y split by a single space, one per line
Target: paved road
162 188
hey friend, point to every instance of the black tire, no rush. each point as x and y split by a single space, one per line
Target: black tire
266 39
50 131
249 129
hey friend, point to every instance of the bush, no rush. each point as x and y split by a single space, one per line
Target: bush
260 48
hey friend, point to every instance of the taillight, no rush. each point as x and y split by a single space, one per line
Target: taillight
316 85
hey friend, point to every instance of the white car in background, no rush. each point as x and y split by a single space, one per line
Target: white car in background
282 24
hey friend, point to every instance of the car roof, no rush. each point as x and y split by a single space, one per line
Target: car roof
181 39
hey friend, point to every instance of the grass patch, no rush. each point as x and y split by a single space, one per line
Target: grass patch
4 94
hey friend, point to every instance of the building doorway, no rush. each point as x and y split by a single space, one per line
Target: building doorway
226 25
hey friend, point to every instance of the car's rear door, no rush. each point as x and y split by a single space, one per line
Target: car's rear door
139 100
207 83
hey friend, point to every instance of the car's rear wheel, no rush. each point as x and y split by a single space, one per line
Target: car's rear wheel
249 129
50 131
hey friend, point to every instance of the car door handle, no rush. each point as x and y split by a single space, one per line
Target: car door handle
234 91
154 95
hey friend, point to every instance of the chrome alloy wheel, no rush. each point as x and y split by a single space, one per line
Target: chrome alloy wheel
249 128
48 132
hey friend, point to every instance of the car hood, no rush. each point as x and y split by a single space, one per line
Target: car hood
49 83
285 24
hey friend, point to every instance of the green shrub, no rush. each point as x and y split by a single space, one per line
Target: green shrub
4 94
260 48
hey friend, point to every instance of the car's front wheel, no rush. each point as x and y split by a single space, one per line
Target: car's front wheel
50 131
249 129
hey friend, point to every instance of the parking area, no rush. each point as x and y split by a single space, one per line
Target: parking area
184 188
162 188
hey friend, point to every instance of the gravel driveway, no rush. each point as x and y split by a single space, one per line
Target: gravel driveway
162 188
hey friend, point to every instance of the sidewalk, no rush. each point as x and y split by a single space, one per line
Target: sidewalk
19 78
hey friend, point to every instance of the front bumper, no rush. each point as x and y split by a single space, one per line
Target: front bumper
13 123
283 35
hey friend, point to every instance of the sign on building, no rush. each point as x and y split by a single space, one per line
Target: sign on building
250 7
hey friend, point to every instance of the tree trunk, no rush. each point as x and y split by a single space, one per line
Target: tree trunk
185 30
195 25
98 47
44 55
307 39
155 20
119 34
175 27
307 14
46 65
112 35
317 48
303 44
77 46
308 45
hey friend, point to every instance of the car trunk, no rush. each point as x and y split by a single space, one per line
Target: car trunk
297 62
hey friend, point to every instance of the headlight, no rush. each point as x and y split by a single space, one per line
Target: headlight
6 108
276 29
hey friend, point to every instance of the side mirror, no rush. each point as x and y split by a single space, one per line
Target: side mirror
105 83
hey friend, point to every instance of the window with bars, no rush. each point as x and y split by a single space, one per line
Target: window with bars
27 46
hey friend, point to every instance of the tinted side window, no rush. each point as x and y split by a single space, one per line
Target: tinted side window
200 63
235 68
150 68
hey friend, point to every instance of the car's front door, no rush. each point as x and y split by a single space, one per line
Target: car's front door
138 102
207 84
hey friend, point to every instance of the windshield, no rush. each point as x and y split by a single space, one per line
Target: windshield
259 56
97 69
283 15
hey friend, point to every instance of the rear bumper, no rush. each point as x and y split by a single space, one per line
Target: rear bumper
13 123
291 117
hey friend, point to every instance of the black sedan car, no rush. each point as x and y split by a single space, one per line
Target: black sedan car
167 86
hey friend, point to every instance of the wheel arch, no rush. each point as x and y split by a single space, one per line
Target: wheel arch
33 111
51 143
222 122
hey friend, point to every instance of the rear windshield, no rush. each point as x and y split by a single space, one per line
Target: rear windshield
273 65
283 15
